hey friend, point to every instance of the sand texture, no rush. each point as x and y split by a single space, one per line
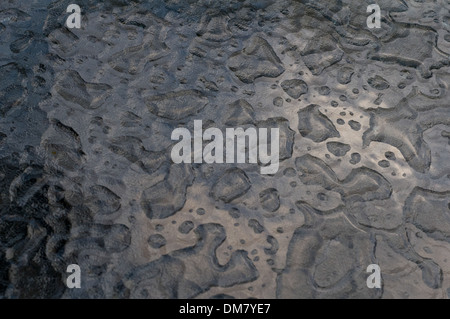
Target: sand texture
86 175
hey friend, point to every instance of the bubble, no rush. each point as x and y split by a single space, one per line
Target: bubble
324 90
355 158
390 156
384 164
186 227
157 241
278 102
234 213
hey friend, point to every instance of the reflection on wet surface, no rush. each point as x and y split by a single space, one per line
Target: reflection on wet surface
86 177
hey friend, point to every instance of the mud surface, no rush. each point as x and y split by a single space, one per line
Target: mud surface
86 177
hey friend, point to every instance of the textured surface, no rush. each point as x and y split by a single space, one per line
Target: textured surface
86 177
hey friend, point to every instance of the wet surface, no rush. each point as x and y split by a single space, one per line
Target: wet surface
86 175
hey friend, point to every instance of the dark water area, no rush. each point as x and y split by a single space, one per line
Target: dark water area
87 176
